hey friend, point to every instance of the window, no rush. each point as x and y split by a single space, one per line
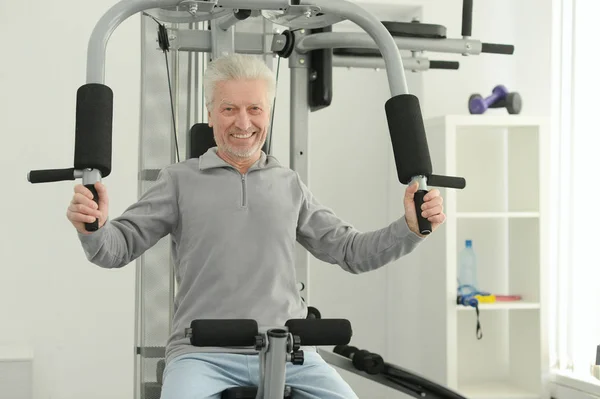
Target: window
574 292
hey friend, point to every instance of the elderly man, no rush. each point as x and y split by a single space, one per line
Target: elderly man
234 216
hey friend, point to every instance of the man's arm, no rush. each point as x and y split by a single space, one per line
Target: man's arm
142 225
333 240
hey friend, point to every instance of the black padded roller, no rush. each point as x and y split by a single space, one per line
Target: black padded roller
321 331
362 360
93 128
409 142
224 332
371 363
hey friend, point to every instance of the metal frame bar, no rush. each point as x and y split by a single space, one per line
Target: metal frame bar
96 56
254 4
362 40
299 147
381 36
245 43
410 63
254 43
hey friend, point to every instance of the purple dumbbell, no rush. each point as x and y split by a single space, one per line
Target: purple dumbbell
500 98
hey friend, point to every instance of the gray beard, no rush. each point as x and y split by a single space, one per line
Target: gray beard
243 154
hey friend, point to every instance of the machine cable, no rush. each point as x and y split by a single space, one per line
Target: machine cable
163 43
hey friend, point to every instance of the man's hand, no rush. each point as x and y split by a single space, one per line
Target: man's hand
83 209
432 208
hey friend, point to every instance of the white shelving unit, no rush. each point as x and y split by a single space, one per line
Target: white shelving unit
503 211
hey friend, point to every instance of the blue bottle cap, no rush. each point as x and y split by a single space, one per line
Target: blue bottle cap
469 243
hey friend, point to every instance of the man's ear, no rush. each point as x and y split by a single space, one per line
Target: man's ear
210 123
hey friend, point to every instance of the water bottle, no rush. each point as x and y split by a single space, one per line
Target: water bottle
467 270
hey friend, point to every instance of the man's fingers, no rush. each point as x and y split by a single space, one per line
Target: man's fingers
80 217
82 199
81 189
437 201
431 194
80 208
439 218
102 192
411 190
432 211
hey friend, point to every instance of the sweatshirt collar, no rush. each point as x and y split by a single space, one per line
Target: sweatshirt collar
210 160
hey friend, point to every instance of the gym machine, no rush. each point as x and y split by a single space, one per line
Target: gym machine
313 49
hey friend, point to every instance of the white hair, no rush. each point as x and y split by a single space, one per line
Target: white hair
237 67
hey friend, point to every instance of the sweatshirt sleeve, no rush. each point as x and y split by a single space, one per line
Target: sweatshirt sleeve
332 240
143 224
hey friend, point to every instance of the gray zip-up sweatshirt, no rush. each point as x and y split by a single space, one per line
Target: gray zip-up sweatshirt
233 240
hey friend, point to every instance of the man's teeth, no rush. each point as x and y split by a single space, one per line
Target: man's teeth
242 136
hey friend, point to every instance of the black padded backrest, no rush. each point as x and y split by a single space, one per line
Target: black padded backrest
200 140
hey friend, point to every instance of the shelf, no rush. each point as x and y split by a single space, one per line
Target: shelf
502 210
499 215
487 121
495 390
501 306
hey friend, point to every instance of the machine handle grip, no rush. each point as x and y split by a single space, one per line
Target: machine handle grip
467 17
94 225
446 181
443 64
424 224
50 175
497 48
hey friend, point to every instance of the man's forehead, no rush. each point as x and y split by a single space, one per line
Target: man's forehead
228 101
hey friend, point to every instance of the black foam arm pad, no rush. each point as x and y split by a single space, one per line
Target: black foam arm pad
321 331
409 142
93 128
50 175
224 332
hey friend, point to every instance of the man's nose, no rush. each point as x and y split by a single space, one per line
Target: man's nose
243 120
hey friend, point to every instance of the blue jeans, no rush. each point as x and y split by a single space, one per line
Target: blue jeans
207 375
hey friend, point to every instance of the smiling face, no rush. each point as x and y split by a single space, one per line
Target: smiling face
239 116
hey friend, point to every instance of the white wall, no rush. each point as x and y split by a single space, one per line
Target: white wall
79 319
